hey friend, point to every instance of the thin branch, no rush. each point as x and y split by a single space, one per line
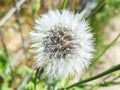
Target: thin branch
36 76
6 52
104 84
31 3
82 5
25 80
13 62
20 28
54 4
106 77
115 78
113 69
101 84
11 11
17 56
64 4
99 56
100 5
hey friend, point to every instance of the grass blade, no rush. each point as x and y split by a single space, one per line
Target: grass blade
64 4
99 56
100 5
113 69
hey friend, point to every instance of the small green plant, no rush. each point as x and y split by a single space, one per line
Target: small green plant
3 61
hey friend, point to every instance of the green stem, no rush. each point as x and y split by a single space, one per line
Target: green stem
36 78
64 4
108 83
107 77
101 84
100 5
97 58
113 69
115 78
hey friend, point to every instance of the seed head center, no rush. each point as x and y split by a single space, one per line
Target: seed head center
58 43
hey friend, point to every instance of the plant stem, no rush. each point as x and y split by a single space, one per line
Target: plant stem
113 69
64 4
115 78
100 5
99 56
109 83
36 76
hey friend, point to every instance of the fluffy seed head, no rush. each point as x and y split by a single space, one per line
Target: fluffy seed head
62 44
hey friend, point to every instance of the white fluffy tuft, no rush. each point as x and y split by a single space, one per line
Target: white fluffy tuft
78 29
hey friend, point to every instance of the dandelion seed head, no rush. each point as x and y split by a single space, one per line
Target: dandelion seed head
62 44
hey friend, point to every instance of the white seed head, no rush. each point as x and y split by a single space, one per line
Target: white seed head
62 44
